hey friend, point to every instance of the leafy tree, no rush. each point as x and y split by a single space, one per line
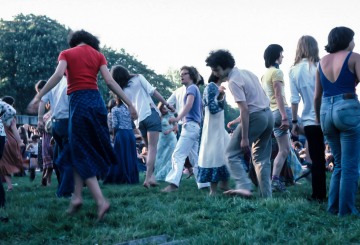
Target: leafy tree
29 47
173 75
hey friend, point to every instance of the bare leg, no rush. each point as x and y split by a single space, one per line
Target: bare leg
213 187
284 149
170 188
76 200
103 205
8 182
224 185
153 138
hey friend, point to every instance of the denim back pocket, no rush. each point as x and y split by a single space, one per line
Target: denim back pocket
347 114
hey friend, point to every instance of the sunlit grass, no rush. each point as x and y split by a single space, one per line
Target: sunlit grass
37 217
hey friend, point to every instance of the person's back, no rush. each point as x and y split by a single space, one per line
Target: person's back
338 110
337 73
83 64
255 96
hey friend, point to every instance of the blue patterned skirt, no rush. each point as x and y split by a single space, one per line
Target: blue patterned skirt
90 151
213 175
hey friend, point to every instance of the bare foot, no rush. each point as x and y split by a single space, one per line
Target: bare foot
102 210
74 207
150 182
191 173
170 188
239 192
212 193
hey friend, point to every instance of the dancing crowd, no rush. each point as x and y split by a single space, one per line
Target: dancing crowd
269 146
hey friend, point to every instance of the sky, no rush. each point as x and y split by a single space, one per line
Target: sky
165 34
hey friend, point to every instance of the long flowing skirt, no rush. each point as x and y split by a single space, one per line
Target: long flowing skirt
91 152
125 170
165 149
11 160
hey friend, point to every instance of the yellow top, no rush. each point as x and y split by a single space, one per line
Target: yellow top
272 75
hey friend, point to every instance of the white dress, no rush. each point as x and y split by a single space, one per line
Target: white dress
214 139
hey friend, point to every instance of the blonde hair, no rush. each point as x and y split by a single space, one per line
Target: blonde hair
307 47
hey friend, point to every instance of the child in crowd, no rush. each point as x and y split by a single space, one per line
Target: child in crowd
125 170
33 151
166 144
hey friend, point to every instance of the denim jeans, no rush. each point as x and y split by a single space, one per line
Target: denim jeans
60 134
277 122
340 122
187 146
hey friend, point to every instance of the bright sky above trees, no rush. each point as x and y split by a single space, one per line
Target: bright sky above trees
172 33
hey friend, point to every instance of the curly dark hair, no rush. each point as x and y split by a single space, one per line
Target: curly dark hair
8 99
222 58
75 38
271 54
213 78
339 38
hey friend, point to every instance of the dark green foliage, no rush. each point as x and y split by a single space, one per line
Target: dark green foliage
162 84
29 47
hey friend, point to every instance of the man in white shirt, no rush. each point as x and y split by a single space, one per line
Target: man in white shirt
59 102
253 134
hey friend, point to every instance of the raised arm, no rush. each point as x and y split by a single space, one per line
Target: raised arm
113 86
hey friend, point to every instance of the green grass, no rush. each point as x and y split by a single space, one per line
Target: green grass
37 217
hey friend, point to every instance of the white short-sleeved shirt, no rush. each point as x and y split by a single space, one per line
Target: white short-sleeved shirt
177 99
245 86
59 100
139 91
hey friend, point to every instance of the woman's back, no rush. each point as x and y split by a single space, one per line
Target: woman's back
337 73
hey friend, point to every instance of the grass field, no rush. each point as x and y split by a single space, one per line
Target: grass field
188 215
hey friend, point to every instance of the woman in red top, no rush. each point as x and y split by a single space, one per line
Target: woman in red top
90 151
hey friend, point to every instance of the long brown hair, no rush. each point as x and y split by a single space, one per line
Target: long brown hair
307 47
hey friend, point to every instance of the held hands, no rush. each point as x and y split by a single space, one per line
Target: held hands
284 124
173 120
230 124
295 129
171 108
222 90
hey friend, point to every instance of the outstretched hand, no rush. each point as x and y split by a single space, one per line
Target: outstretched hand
33 106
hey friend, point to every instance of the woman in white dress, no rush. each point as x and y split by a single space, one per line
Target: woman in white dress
214 138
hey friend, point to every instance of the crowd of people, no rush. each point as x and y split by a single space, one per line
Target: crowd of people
85 141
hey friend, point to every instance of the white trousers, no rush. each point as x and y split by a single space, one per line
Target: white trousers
187 146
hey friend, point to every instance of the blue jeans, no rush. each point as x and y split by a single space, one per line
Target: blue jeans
340 122
60 134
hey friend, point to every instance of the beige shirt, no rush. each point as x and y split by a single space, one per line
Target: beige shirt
245 86
272 75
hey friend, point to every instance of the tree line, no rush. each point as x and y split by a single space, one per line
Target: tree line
29 48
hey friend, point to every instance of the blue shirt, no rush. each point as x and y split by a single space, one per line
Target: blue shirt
195 111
